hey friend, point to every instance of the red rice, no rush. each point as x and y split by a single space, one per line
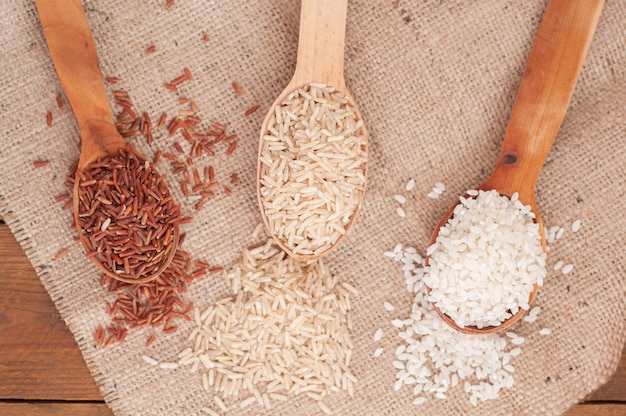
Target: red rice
141 219
61 254
41 163
237 89
251 110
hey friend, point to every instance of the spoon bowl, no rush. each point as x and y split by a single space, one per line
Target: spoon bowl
320 59
73 52
543 96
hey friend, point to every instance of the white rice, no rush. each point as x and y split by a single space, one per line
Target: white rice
486 260
313 167
149 360
210 411
378 335
399 198
545 331
388 306
284 331
105 224
576 226
433 358
410 185
567 268
400 212
378 352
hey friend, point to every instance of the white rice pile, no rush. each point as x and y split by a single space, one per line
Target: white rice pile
283 332
313 168
486 260
433 358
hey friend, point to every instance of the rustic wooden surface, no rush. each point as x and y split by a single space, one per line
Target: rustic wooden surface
43 373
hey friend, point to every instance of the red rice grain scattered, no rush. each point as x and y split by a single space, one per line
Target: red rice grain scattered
99 336
59 100
61 254
67 205
228 191
162 120
237 89
218 126
231 148
188 74
251 110
61 197
169 4
170 87
112 80
150 340
205 37
49 118
150 49
178 80
201 203
234 179
40 163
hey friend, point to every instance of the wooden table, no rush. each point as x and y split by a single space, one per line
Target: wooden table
43 373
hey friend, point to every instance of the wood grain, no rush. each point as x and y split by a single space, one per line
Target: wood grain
54 409
42 370
76 64
597 409
39 358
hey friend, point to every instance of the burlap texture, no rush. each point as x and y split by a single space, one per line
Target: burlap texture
435 81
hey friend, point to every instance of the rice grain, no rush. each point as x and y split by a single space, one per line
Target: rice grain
313 167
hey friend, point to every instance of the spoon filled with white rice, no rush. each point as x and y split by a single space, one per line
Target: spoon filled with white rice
486 259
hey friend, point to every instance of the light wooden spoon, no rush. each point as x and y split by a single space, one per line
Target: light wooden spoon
320 56
542 99
73 53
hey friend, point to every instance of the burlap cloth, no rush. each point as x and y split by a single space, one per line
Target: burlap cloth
435 81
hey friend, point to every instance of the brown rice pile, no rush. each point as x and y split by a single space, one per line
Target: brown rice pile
283 332
313 168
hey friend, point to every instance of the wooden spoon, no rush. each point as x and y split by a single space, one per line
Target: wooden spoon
542 99
320 56
73 53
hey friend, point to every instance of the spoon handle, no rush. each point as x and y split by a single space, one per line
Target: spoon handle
545 91
321 42
73 53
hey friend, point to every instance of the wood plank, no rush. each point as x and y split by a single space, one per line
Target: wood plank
100 409
615 388
55 370
53 409
597 409
39 358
